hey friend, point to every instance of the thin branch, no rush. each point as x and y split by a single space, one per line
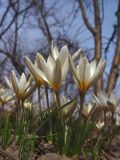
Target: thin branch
84 16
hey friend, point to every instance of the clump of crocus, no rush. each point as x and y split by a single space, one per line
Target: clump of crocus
110 102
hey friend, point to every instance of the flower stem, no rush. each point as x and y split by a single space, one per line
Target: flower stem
113 118
39 100
47 99
57 99
82 98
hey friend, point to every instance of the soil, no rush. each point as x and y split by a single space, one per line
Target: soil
48 152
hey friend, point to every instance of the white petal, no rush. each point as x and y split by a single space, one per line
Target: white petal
22 83
97 100
41 63
82 68
69 107
93 66
65 69
54 51
56 76
72 66
98 73
76 54
63 55
15 83
113 97
41 75
9 83
45 67
87 74
33 69
90 72
103 98
50 62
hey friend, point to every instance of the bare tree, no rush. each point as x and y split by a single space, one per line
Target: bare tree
114 72
96 32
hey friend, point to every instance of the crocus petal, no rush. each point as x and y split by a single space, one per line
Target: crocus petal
15 83
65 69
113 97
28 84
41 75
33 69
81 69
87 74
44 66
56 76
72 66
102 96
69 108
63 55
8 83
54 51
41 63
22 83
50 63
76 54
93 66
98 72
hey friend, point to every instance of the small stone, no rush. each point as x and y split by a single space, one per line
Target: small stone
53 156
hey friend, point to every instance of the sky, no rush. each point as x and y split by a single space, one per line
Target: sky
33 34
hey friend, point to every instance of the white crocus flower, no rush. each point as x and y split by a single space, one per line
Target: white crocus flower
87 109
28 105
111 102
68 107
4 97
55 71
100 124
20 87
85 74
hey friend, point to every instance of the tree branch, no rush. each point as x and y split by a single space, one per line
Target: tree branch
84 16
114 72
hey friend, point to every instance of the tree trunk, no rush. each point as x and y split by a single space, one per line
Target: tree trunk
114 72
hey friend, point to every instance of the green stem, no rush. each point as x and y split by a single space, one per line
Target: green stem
47 99
57 99
82 98
113 118
39 100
